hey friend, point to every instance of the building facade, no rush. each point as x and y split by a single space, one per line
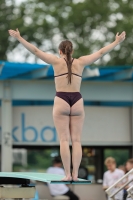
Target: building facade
26 101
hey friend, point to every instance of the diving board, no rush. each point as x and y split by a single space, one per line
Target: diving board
23 179
80 181
42 177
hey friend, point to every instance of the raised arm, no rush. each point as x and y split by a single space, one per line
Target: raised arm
89 59
48 58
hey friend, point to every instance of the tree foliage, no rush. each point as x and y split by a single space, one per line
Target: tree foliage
6 18
90 25
121 155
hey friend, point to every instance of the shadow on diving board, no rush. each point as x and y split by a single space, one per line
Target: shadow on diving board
24 190
14 181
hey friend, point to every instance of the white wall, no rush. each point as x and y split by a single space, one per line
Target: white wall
103 125
107 125
90 90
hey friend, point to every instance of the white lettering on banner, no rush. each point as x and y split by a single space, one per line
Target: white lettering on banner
35 125
47 133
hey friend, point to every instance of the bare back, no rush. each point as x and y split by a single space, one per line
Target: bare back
61 82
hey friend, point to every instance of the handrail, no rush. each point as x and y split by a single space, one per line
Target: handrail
126 175
129 191
122 187
115 185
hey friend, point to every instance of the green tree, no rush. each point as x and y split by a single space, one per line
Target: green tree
90 25
6 18
120 155
39 159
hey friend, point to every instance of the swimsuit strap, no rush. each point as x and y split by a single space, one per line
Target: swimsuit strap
67 72
71 63
61 74
77 75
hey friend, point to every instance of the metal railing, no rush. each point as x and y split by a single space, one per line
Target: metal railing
115 185
129 191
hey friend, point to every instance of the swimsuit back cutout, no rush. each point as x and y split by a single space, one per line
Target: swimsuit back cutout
67 72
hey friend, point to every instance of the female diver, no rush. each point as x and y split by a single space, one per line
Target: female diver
68 110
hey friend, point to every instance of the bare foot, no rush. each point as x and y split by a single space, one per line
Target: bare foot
67 178
74 177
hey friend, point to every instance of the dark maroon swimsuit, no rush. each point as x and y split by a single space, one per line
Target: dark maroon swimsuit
70 97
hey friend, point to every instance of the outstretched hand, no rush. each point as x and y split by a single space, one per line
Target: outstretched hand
15 34
120 38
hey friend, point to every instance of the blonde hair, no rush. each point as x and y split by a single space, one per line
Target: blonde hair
109 160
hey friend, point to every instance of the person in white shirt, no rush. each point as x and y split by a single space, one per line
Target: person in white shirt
129 166
59 189
111 176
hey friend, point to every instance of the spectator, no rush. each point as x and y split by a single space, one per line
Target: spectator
111 176
59 189
122 167
129 166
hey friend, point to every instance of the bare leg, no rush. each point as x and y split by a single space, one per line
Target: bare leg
76 125
61 112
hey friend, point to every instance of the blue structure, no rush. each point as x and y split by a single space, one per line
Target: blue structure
23 84
26 71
